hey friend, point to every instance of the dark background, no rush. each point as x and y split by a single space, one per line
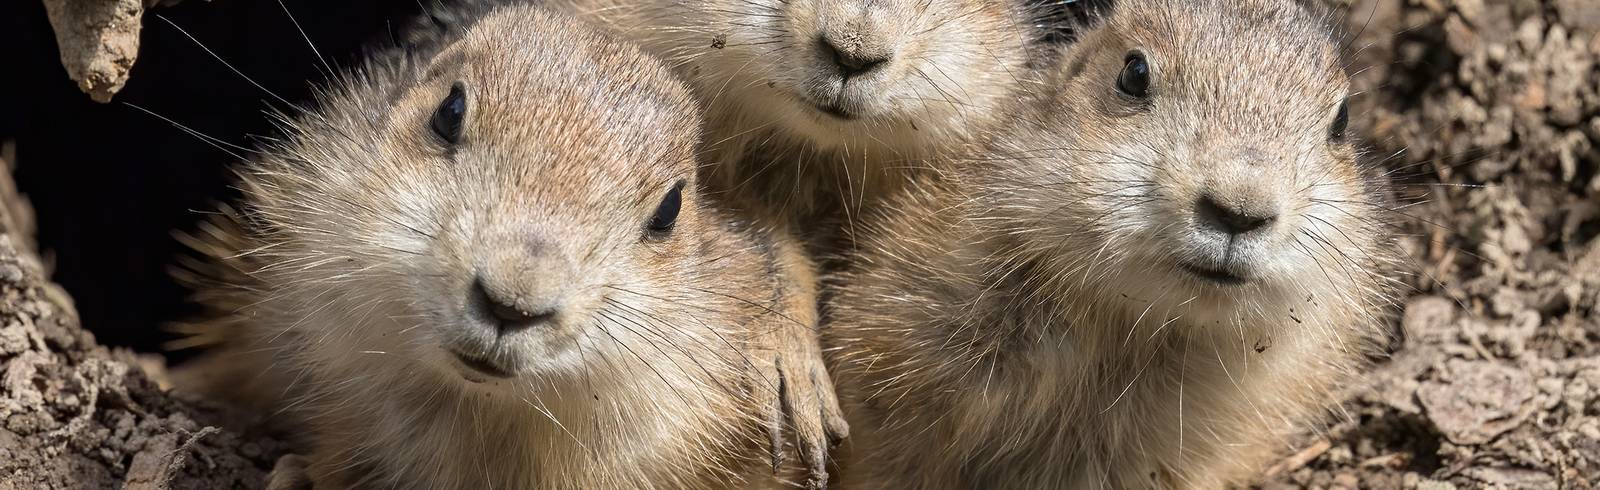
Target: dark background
111 183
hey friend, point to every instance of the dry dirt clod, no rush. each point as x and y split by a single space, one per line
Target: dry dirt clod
77 415
98 41
1429 318
1479 400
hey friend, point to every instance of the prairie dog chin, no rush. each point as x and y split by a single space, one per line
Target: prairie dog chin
1160 269
484 262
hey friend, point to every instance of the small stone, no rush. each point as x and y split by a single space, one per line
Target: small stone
1428 484
11 273
1477 400
1579 14
1428 318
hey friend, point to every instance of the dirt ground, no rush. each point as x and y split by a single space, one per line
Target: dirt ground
1488 112
1491 111
74 414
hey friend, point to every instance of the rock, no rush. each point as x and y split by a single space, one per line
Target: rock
98 40
1435 485
1477 400
1580 14
1428 318
1497 477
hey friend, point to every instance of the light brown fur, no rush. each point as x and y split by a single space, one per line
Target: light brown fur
1025 322
757 65
344 282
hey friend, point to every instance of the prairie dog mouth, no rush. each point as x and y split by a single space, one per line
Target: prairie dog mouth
835 111
480 365
1219 276
830 106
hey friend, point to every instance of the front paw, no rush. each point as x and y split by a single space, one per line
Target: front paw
804 401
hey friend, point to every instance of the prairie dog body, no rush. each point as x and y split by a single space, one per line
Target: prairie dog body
484 263
1156 273
819 108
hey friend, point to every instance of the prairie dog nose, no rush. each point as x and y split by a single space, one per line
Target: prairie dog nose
1233 217
520 287
854 49
507 313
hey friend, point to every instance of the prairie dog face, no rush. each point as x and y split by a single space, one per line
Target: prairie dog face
886 75
1194 161
507 199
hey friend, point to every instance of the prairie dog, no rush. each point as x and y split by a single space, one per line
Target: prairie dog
1153 275
484 262
819 108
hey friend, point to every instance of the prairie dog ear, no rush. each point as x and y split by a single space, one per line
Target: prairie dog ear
442 21
1063 22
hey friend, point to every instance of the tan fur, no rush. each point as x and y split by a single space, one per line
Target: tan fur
758 67
345 280
1024 323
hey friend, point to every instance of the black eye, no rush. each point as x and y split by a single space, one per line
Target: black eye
447 119
1135 78
1341 122
666 213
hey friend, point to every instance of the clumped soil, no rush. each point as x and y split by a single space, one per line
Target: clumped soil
74 414
1487 111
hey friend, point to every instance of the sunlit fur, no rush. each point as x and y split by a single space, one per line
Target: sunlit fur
349 267
1025 322
758 67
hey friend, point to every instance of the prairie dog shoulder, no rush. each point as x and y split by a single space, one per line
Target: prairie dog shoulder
1151 276
485 261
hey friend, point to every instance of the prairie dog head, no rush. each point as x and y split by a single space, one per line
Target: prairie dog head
1193 160
894 76
479 209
